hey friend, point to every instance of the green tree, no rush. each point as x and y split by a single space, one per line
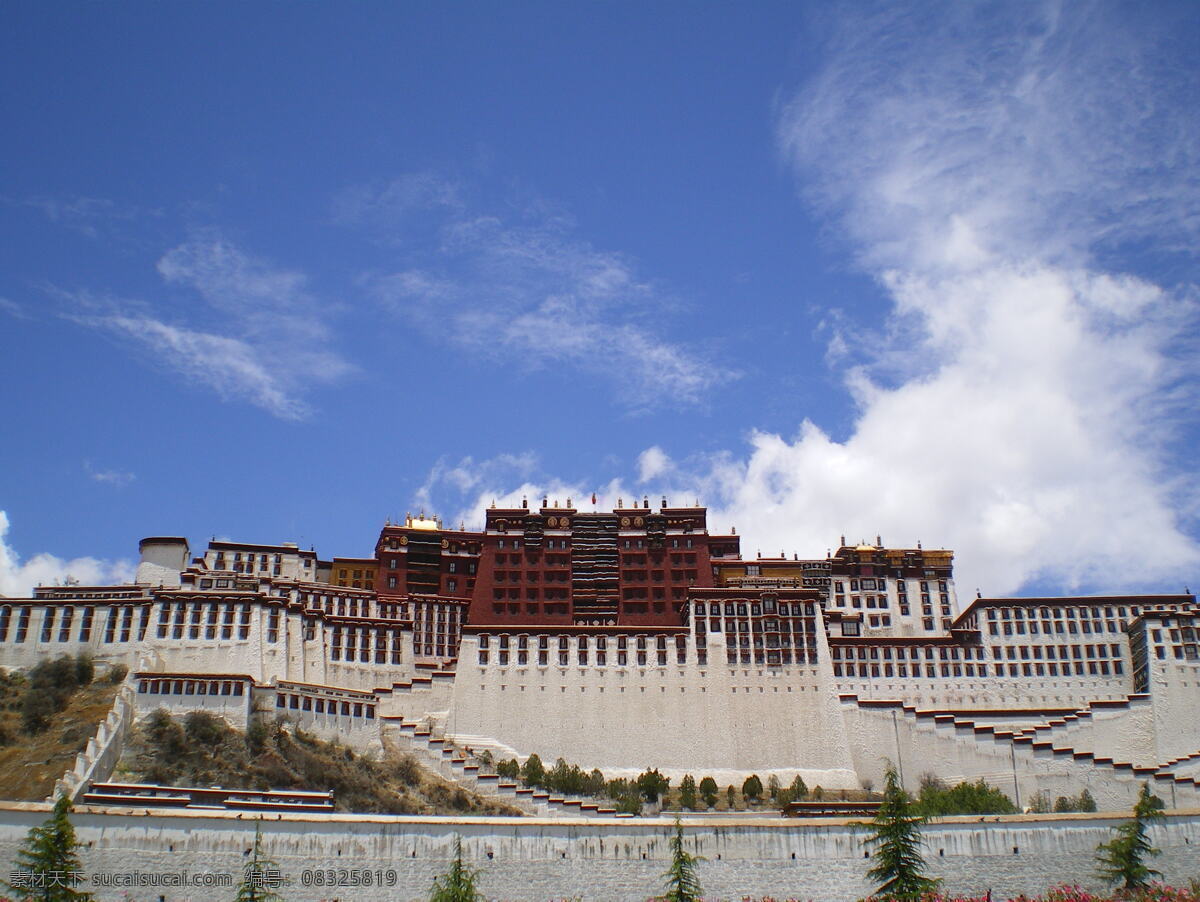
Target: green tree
47 867
752 789
533 772
709 791
687 792
457 884
260 875
773 787
1086 801
730 796
896 838
651 784
682 883
1123 858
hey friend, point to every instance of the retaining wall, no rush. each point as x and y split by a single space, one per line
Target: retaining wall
595 859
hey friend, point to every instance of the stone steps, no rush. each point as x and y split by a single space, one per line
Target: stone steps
445 759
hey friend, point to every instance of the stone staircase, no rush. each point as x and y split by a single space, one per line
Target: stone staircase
1041 753
460 766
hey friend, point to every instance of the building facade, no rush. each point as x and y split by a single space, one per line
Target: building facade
635 638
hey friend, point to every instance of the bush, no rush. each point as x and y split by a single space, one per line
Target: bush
117 673
651 784
708 791
204 729
85 670
1081 802
936 800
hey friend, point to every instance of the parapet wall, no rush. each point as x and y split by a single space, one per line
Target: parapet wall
533 860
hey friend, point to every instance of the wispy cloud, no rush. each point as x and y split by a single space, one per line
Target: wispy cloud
13 309
18 578
527 290
282 346
117 478
89 216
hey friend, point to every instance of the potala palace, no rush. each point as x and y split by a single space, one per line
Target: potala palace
636 638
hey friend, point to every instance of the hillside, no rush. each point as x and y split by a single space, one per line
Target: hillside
29 764
203 750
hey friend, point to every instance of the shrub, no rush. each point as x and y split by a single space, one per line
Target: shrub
936 800
85 670
117 673
752 788
708 791
202 728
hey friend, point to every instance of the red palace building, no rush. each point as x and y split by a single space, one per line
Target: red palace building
559 568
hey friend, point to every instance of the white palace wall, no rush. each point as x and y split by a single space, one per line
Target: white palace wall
679 718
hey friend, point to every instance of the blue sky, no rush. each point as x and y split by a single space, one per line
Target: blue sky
278 272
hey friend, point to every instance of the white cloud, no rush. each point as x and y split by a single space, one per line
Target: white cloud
282 344
116 478
983 169
532 293
652 463
17 578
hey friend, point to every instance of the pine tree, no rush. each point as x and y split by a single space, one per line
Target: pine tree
47 867
896 836
457 884
682 883
533 772
259 875
1123 859
687 792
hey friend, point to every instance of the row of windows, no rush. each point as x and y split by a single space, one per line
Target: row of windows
365 644
911 652
208 617
917 671
771 657
768 605
191 687
58 623
324 706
